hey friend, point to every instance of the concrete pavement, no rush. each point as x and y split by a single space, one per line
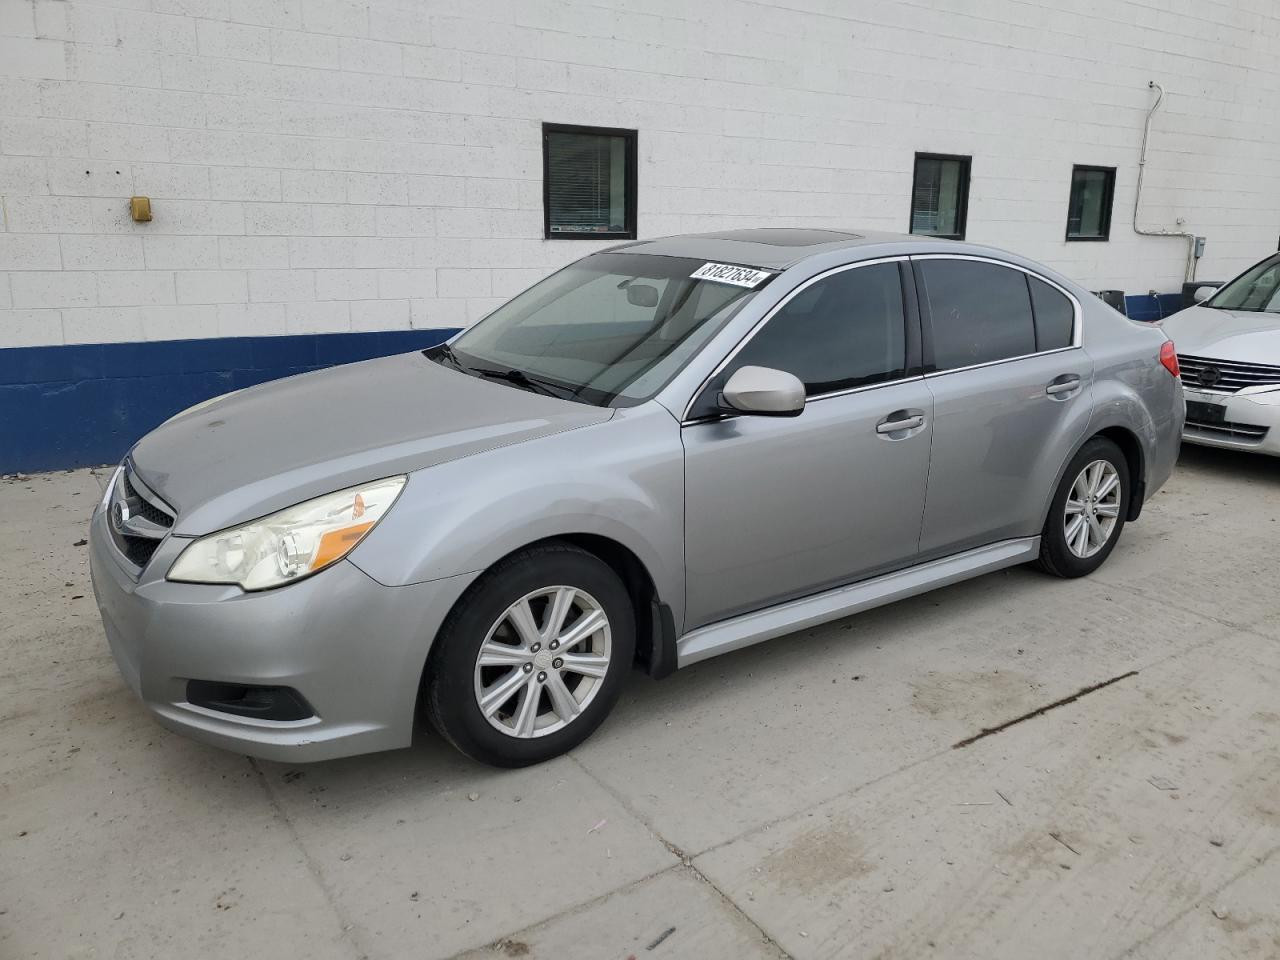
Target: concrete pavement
799 799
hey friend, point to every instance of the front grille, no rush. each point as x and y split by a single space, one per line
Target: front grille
1225 376
1227 430
144 507
137 518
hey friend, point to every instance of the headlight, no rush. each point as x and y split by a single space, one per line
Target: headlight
291 544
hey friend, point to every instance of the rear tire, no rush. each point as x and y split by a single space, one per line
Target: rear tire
555 629
1088 511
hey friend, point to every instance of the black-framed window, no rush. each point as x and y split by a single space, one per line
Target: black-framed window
843 331
978 312
940 195
1054 315
1089 209
588 182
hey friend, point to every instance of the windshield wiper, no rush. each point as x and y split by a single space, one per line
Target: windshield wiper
519 378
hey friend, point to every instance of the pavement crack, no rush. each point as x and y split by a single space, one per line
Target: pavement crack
1197 903
1040 711
686 861
346 926
527 929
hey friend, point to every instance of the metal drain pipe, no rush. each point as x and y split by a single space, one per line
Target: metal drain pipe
1189 270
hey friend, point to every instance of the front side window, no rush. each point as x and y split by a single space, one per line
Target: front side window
610 330
1089 208
979 312
589 182
1257 290
940 196
846 330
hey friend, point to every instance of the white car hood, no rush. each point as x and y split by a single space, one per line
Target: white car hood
1237 335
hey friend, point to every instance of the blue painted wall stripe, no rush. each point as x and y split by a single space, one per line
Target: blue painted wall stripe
82 405
1148 307
86 404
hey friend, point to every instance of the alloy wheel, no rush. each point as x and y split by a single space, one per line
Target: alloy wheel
1092 508
542 662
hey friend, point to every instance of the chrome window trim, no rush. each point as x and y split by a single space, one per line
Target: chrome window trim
719 417
992 363
1077 324
685 419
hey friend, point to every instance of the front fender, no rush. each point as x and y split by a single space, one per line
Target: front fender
622 479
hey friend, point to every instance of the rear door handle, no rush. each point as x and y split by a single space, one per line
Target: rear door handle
1064 384
893 426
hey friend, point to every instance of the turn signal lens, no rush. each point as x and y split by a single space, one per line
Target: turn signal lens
1169 358
291 544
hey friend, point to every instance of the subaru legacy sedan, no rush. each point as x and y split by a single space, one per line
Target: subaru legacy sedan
1231 363
663 452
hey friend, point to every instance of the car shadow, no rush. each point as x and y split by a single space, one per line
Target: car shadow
1238 464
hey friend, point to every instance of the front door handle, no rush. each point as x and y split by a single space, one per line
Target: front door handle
1068 383
894 426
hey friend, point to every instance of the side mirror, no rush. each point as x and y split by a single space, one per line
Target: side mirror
763 391
1203 293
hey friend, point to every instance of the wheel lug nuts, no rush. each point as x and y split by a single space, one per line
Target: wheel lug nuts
528 667
554 644
542 676
536 647
557 663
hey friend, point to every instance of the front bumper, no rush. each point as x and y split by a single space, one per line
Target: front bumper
1249 423
354 648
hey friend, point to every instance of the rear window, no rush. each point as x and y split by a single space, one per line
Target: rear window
980 312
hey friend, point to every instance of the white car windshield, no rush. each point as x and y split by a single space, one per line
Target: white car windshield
1257 290
610 330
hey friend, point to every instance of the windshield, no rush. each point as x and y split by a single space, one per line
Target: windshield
610 330
1256 290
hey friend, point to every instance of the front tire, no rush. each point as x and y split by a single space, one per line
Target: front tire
1088 511
533 658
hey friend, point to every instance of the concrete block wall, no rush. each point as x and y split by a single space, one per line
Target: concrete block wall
334 166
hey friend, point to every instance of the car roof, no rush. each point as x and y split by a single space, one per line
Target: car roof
773 247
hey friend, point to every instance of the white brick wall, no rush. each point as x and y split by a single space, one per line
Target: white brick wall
329 165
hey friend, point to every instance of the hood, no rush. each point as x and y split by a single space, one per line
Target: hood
271 446
1238 335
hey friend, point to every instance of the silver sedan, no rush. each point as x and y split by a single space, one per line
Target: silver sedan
661 453
1229 348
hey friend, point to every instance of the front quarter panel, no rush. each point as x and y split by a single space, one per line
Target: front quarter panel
622 479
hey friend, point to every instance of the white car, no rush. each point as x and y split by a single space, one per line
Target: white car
1229 352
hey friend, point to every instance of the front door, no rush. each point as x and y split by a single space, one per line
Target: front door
777 507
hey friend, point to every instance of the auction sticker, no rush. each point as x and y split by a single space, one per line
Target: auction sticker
728 273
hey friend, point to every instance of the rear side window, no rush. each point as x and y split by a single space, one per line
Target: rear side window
980 312
841 332
1054 314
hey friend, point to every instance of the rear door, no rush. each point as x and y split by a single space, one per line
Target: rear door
781 507
1011 391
